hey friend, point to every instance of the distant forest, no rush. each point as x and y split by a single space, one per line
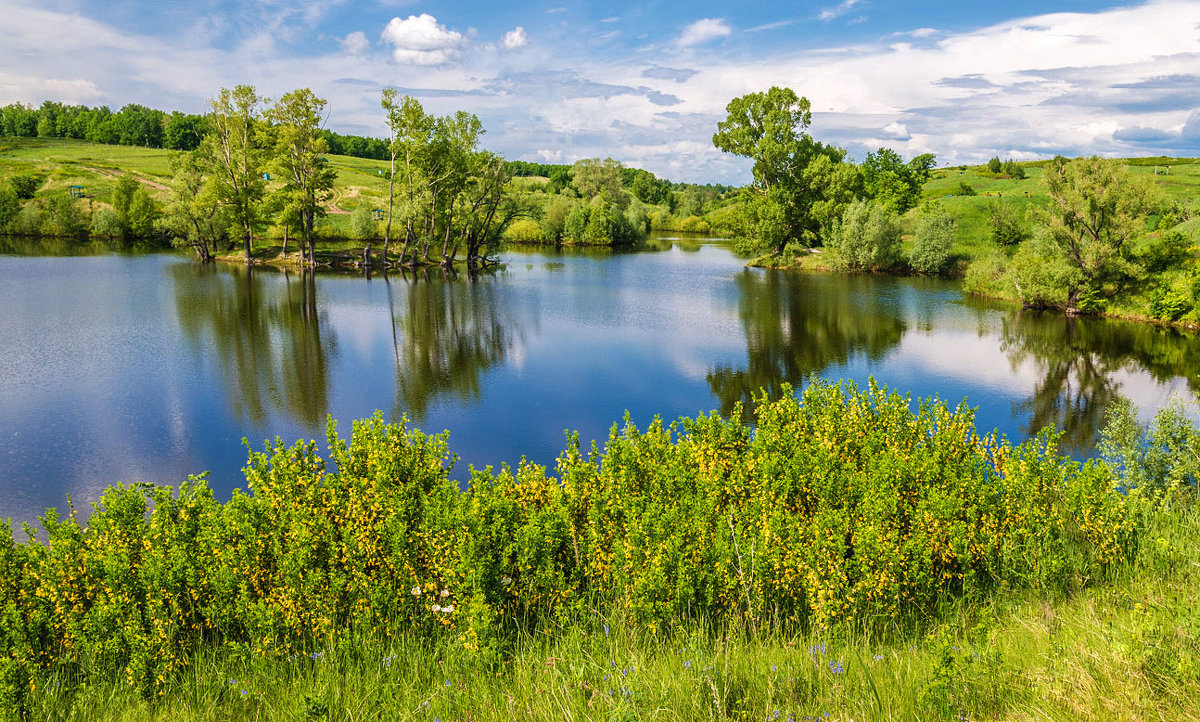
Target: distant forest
151 128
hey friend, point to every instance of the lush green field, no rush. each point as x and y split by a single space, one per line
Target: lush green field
65 162
853 558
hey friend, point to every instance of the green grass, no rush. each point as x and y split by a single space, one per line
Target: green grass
65 162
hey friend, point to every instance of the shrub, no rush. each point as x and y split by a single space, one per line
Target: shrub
1013 170
105 224
523 230
1169 304
10 206
985 276
867 238
995 166
25 185
554 222
860 511
966 189
931 248
363 226
1168 251
1006 230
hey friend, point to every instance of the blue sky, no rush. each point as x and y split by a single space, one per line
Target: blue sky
647 82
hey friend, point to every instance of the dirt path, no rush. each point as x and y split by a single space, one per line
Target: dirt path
109 173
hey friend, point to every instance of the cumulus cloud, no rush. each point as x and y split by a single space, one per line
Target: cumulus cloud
422 40
703 30
356 43
896 131
832 13
514 38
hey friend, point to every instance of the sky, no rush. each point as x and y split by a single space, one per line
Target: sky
646 82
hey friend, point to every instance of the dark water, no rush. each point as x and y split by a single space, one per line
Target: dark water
151 367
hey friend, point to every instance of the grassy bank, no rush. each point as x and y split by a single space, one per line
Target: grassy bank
851 556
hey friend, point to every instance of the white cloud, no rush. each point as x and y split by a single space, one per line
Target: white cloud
896 131
515 38
838 10
421 40
703 30
356 43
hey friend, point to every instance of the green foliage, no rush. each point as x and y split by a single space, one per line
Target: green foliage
1161 462
61 216
134 210
868 238
845 509
10 206
800 185
1096 209
1013 170
362 224
25 185
966 189
554 221
1169 250
1041 275
1006 229
995 166
523 230
931 247
1170 304
892 183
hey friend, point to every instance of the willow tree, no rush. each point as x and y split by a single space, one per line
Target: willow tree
299 158
234 155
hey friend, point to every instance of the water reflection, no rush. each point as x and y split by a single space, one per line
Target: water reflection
1082 363
445 334
272 341
801 324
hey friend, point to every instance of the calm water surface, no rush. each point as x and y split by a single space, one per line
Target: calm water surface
152 367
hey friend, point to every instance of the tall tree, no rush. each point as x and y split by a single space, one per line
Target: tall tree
1096 209
408 136
769 129
299 157
233 153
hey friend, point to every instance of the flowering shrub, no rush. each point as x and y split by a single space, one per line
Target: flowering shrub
841 507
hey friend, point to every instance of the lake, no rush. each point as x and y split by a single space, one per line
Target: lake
150 367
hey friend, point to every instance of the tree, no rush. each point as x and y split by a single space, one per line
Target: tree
593 177
299 157
891 182
195 215
931 248
868 237
183 131
1096 209
234 156
408 137
995 166
778 205
135 210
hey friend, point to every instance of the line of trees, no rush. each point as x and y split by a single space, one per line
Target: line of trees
138 125
264 161
802 189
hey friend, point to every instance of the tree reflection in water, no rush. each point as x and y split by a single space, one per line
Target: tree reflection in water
800 324
1080 361
445 333
264 325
